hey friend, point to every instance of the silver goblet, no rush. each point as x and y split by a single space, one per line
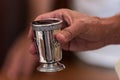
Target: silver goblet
48 48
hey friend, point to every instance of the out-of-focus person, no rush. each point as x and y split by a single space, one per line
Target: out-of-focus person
18 62
12 23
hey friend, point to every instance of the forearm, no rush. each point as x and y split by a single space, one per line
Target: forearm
112 25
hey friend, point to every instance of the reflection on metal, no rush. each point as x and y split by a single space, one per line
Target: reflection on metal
49 50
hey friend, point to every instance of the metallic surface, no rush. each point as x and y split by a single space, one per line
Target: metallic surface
49 50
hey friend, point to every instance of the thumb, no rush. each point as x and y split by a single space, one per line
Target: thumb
68 33
64 36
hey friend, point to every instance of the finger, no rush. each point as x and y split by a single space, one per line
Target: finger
43 16
32 49
71 32
53 14
66 46
30 34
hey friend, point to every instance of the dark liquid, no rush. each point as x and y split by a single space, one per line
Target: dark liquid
49 21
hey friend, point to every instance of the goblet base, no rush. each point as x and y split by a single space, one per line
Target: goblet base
51 67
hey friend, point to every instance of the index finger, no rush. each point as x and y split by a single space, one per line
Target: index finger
53 14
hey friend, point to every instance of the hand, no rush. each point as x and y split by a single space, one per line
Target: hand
82 32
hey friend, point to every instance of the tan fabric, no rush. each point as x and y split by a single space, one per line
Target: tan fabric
117 68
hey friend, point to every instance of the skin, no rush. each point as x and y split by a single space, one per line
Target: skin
82 32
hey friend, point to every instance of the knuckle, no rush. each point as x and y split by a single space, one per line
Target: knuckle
64 10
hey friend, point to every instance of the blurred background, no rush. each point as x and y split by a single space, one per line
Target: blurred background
17 63
13 20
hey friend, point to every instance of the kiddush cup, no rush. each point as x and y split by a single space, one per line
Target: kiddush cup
48 48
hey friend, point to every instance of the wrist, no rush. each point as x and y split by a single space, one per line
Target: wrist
112 29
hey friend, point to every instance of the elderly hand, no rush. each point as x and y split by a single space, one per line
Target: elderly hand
81 32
